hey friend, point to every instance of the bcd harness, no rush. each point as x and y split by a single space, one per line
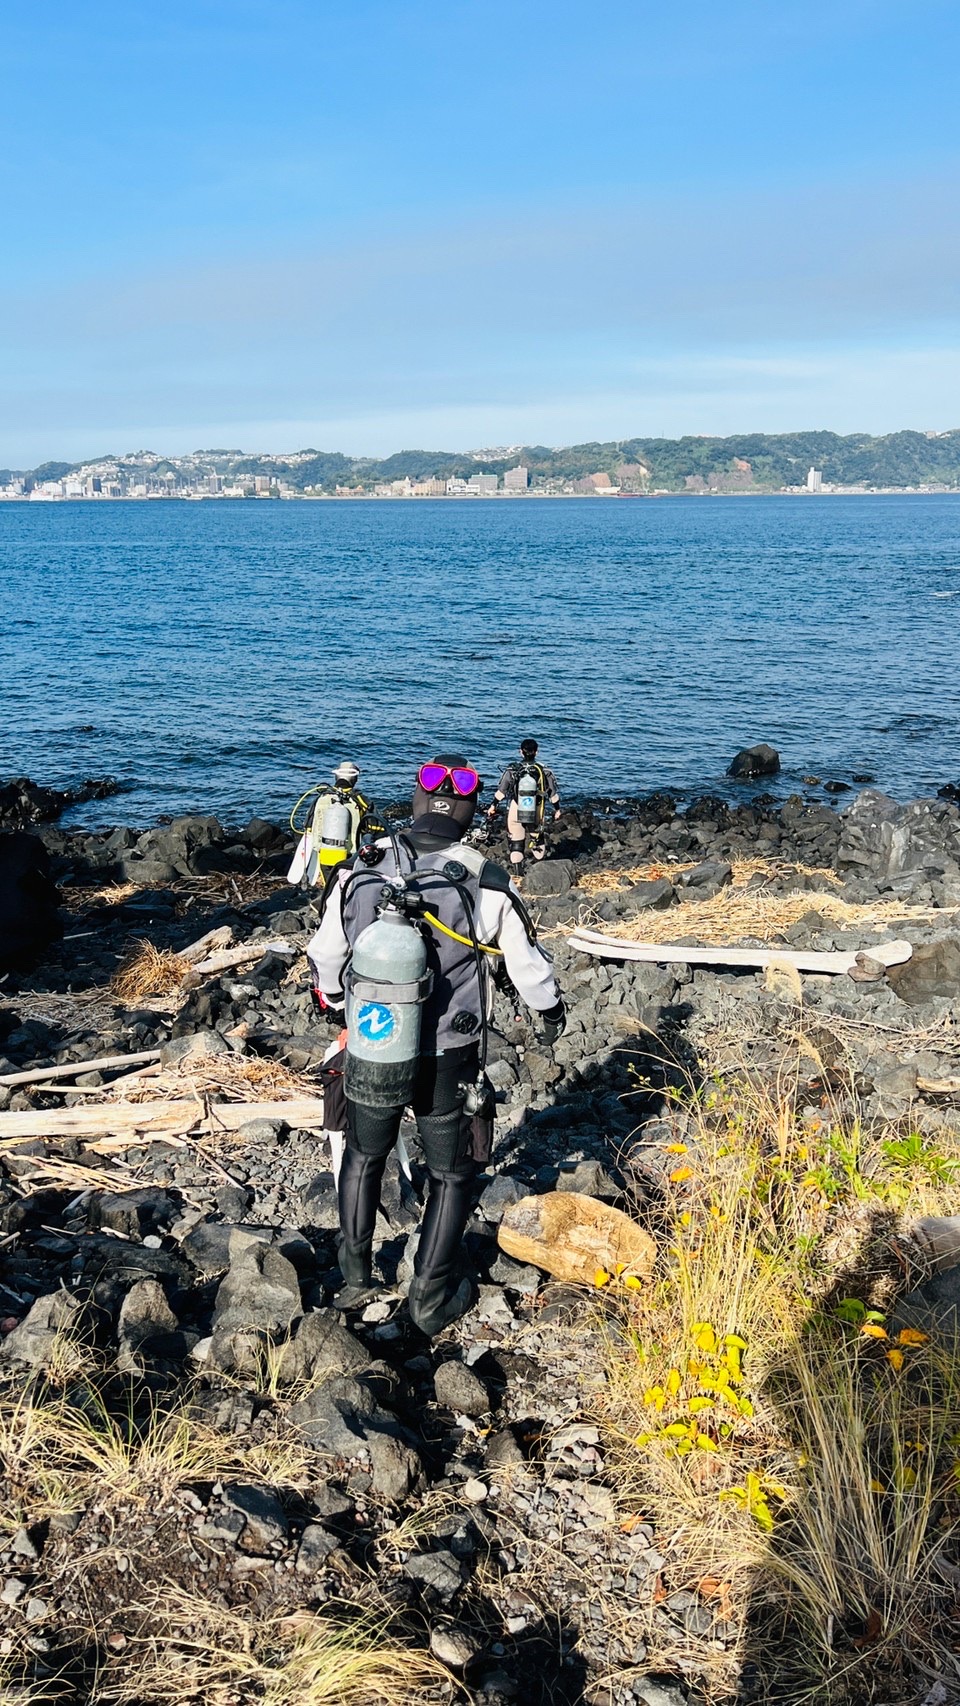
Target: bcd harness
387 981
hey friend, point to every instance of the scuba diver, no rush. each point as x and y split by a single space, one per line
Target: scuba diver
526 786
409 932
329 832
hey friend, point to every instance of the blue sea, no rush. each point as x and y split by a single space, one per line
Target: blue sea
221 656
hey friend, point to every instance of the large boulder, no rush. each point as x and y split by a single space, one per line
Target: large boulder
759 760
933 969
883 840
29 920
575 1238
549 877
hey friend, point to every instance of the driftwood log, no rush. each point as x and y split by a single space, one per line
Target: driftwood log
108 1119
73 1068
677 953
225 958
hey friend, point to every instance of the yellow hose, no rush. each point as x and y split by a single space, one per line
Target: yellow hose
456 937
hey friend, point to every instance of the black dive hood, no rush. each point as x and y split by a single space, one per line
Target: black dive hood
445 813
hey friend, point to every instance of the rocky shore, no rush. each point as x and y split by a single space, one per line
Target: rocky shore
468 1485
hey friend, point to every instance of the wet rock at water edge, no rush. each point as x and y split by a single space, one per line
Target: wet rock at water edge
761 760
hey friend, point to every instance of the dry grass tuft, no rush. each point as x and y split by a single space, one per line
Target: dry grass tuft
149 971
193 1651
95 1443
250 1078
767 1411
608 882
747 912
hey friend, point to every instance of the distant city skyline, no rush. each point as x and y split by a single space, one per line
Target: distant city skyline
367 226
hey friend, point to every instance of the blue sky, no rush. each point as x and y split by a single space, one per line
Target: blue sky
388 223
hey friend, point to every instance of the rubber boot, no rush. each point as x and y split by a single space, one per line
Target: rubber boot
438 1294
358 1195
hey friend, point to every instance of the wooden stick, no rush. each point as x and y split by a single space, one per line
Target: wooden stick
204 945
73 1068
236 956
109 1118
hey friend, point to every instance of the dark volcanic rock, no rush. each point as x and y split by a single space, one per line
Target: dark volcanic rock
932 970
759 760
32 1342
550 877
886 841
344 1419
23 802
459 1389
148 1327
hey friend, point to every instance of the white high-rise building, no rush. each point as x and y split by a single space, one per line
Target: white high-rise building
814 480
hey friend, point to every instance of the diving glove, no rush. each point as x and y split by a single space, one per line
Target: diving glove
553 1023
325 1009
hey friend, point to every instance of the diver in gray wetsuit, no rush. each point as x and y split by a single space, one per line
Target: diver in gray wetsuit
469 914
526 786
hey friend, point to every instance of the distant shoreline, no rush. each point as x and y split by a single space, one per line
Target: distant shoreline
487 497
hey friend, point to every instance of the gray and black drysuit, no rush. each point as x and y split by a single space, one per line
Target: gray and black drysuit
480 899
507 789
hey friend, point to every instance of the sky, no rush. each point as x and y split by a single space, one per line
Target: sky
386 224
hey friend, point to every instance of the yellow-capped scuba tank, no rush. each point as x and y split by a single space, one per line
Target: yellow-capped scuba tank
328 836
335 823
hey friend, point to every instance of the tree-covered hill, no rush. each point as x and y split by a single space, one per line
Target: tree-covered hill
745 462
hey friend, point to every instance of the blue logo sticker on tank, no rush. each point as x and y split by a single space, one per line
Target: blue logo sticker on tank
376 1022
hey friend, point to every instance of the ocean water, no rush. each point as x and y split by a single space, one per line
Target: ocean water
222 656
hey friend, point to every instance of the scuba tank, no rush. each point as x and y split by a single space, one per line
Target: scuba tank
528 796
336 830
388 984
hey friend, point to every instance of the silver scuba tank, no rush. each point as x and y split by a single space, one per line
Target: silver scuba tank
336 827
388 984
528 798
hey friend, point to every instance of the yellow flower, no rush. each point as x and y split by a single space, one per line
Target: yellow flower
680 1174
632 1283
676 1149
601 1277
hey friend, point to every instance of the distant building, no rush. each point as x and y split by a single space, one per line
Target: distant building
261 482
516 479
814 480
429 488
483 484
214 484
457 487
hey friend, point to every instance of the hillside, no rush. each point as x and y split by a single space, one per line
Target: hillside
746 462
